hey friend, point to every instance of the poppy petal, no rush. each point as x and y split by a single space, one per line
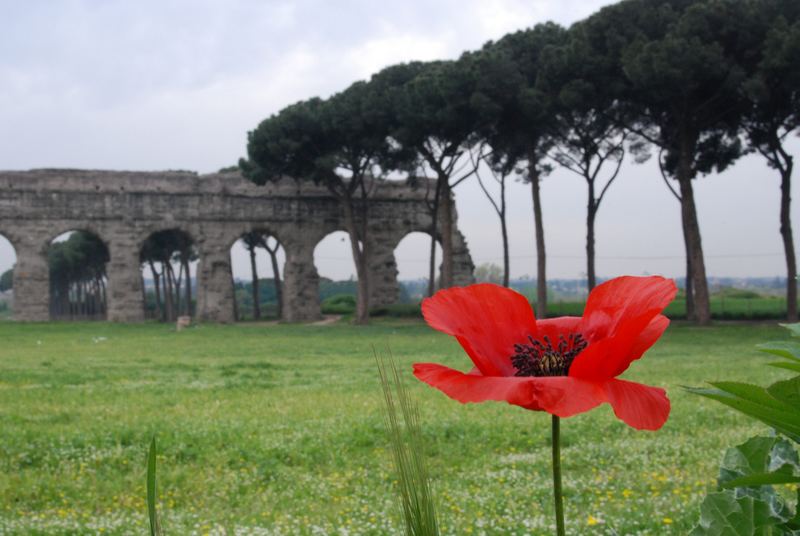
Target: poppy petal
640 406
474 387
488 320
647 338
613 303
621 321
553 327
564 396
596 363
557 395
610 357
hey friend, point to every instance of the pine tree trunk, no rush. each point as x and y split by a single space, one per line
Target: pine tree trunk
164 293
168 291
689 286
96 297
591 213
178 283
358 248
276 278
236 316
504 232
254 286
434 227
66 304
157 284
144 298
541 265
446 203
188 293
788 241
694 245
104 295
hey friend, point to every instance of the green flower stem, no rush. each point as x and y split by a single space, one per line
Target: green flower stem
556 441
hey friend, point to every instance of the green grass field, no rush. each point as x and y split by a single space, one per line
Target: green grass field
722 308
279 430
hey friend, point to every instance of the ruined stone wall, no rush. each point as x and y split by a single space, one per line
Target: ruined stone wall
124 208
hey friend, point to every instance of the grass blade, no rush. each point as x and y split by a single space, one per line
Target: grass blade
155 527
405 438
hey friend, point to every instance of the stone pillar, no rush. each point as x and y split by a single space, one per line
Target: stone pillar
300 283
463 267
31 282
215 300
384 288
125 301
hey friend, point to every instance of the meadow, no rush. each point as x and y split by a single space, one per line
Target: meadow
278 429
722 308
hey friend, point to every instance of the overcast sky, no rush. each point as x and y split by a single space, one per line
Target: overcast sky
154 85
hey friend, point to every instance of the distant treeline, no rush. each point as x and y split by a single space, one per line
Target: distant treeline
78 277
328 290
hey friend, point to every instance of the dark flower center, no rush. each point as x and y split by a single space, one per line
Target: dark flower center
543 358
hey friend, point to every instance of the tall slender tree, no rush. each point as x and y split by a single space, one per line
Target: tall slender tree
160 251
499 174
340 143
433 206
589 137
272 245
678 59
391 82
77 276
252 241
434 123
772 91
518 119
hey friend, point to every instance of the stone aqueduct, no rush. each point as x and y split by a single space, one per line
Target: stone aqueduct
124 208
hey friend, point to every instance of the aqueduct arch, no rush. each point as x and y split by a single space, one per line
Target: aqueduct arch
124 208
274 243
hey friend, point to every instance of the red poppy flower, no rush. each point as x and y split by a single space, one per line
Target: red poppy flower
563 366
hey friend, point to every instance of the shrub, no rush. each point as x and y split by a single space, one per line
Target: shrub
398 310
339 304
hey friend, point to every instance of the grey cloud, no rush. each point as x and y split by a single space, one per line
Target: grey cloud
168 84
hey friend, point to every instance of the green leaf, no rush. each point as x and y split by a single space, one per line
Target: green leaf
753 506
756 402
793 328
757 458
794 367
787 391
787 349
794 523
155 528
724 514
751 393
765 479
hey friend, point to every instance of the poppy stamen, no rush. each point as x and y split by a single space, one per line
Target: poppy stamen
543 358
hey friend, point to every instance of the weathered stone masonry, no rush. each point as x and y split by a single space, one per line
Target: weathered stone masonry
123 208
